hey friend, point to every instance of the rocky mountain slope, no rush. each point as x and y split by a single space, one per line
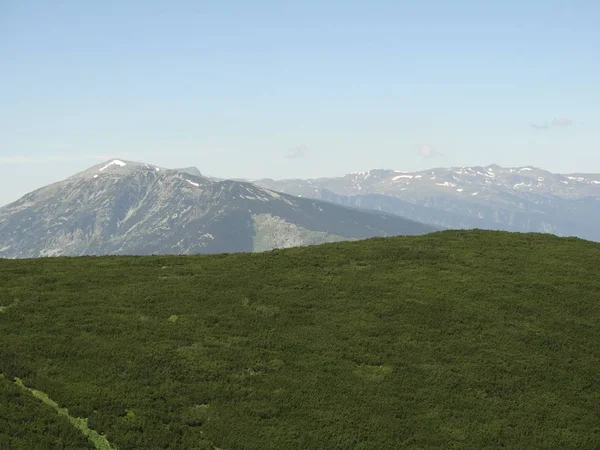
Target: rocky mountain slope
123 207
491 197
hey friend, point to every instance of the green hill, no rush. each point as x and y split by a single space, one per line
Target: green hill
450 340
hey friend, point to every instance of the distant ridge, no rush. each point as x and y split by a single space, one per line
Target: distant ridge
490 197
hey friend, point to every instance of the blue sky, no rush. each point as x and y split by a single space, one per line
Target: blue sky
296 89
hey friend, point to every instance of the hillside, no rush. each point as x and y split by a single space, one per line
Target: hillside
125 207
525 199
450 340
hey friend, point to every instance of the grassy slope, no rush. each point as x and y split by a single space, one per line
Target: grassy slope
452 340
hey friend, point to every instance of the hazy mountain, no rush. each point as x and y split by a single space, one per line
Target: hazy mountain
491 197
122 207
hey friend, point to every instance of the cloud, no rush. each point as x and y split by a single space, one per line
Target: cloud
563 122
540 126
299 152
40 159
427 151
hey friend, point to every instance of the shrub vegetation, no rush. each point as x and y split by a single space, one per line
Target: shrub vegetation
468 339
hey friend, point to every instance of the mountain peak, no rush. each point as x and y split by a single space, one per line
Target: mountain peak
191 171
114 162
116 166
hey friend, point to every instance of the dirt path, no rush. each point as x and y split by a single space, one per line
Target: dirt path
99 441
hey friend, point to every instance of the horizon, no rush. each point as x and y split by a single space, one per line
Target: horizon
296 91
251 180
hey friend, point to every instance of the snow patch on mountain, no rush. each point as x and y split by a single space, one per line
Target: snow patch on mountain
116 162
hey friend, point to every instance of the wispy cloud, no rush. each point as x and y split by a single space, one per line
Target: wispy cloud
540 126
40 159
428 151
563 122
298 152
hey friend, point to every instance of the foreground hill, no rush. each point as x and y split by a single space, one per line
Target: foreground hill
124 207
491 197
451 340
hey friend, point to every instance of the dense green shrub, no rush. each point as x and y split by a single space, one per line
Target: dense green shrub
452 340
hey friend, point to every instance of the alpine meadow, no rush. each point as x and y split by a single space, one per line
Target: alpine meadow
455 339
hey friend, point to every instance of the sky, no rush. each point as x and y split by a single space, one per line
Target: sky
281 89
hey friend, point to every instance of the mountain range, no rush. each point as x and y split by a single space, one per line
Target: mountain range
526 199
124 207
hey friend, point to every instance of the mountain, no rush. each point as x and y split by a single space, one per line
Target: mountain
124 207
490 197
